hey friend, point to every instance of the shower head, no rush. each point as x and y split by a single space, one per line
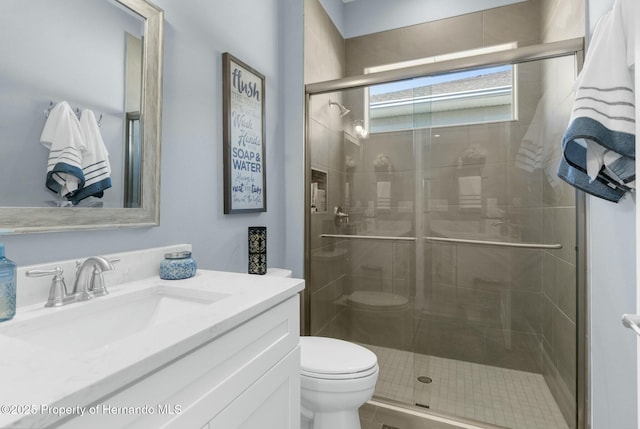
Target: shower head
343 110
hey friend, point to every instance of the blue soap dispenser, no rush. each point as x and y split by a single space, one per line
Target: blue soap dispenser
7 287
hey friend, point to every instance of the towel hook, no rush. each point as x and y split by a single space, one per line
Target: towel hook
48 109
78 113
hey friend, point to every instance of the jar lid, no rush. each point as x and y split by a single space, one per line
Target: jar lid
178 255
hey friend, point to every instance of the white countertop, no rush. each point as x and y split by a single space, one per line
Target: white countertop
35 377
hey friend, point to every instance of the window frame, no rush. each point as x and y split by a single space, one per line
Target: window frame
440 58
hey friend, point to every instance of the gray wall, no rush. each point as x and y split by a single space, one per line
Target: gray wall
196 34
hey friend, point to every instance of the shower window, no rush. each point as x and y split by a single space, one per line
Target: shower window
458 98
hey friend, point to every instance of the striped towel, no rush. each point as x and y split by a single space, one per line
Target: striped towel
530 152
599 145
95 160
62 136
538 149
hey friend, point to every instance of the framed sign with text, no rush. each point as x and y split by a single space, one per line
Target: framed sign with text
245 187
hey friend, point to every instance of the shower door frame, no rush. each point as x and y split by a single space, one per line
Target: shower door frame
513 56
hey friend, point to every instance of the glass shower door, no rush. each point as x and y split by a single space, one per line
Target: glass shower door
363 237
496 317
443 241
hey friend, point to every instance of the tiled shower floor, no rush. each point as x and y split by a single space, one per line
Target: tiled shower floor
504 397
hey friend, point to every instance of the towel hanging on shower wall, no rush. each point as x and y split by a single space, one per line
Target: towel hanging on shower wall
383 195
538 150
470 192
599 145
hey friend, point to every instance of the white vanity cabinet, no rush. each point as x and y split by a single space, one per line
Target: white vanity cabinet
247 377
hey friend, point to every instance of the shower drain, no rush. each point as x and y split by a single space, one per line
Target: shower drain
425 379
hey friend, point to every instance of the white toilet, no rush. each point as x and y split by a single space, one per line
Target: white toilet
336 378
380 318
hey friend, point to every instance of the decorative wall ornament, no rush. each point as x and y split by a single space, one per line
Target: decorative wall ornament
257 250
245 187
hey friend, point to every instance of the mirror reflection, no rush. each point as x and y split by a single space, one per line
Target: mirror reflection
98 56
89 54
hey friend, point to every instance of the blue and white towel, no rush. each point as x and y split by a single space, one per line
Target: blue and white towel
64 139
599 144
95 160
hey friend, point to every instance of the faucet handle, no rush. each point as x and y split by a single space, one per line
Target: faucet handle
98 286
58 295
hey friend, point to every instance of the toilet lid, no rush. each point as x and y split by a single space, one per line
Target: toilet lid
377 300
323 357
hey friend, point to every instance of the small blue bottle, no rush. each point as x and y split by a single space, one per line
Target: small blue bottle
7 287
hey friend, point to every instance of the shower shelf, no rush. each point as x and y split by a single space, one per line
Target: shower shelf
449 240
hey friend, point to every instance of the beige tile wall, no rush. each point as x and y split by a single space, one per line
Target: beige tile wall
324 60
518 22
519 194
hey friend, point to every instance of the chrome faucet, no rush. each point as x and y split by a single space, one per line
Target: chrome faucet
85 286
58 295
339 217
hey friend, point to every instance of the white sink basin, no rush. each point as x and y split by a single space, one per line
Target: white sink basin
82 327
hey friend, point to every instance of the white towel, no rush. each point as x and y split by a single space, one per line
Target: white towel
539 149
612 106
470 192
95 160
599 145
62 136
530 153
383 190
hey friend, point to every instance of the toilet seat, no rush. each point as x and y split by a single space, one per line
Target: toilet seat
333 359
374 300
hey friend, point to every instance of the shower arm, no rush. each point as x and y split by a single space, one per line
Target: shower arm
343 110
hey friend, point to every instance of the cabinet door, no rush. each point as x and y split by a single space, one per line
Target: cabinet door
201 384
271 402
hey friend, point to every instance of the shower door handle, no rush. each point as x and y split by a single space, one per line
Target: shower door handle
632 321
